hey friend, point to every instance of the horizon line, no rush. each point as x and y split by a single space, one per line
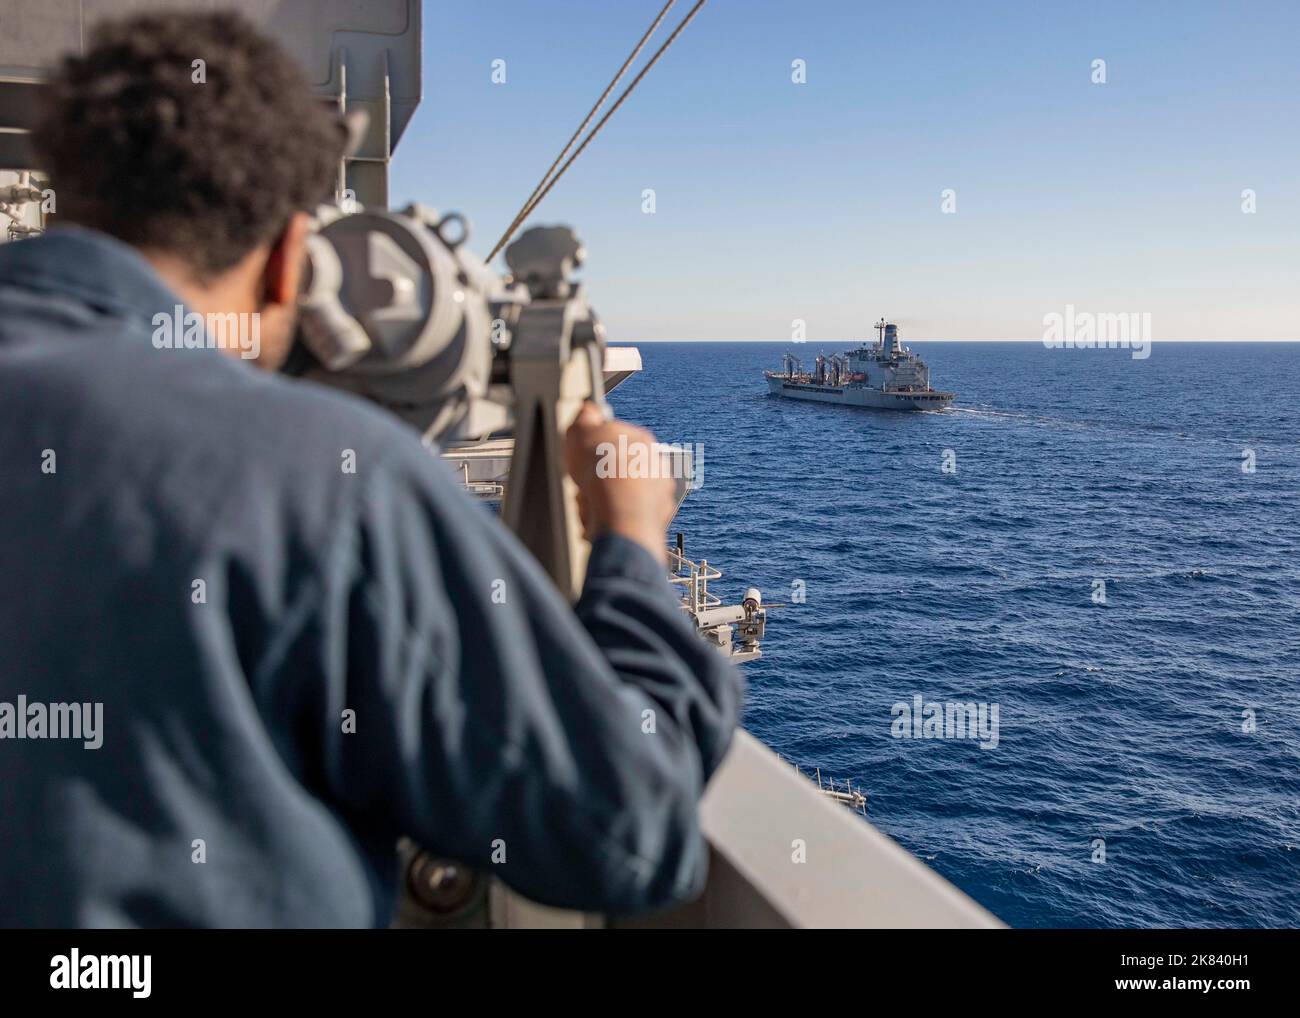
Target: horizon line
810 342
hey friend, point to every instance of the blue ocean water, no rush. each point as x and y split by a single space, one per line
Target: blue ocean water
1123 721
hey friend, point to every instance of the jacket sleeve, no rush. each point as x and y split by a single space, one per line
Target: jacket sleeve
562 751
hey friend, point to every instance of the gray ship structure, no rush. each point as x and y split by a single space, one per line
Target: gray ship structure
883 376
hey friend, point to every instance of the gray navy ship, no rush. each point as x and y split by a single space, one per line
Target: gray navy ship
883 376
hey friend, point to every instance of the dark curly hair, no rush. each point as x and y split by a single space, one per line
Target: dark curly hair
204 170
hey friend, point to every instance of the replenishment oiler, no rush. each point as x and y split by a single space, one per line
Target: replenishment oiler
883 376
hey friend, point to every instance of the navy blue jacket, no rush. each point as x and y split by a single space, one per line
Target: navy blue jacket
229 788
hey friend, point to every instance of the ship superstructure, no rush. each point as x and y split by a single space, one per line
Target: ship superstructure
884 375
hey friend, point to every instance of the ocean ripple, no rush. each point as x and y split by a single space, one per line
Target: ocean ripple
1163 721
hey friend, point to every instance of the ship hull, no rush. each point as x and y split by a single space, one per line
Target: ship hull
858 395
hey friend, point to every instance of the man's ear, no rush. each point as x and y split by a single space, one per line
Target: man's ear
282 277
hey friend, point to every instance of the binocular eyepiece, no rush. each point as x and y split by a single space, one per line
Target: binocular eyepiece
396 309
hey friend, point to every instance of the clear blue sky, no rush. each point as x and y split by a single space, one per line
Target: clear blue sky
821 201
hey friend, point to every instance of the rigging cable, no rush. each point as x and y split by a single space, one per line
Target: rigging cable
528 205
544 186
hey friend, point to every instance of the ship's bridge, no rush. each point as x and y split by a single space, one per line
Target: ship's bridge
887 364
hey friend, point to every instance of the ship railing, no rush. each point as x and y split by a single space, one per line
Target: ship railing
694 577
849 796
